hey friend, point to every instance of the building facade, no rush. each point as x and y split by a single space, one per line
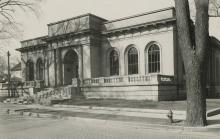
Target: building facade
135 57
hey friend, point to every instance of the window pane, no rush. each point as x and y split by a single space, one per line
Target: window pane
40 69
154 59
132 61
114 63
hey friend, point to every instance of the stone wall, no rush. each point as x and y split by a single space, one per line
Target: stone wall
75 25
153 92
33 56
164 37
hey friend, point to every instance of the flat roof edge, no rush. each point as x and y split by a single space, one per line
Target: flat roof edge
141 14
36 38
75 17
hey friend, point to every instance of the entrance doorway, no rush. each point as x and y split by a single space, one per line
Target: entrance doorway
40 69
71 66
30 71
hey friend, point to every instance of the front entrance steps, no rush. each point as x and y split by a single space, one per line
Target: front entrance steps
50 96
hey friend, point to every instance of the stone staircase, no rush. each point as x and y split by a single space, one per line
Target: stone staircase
47 96
50 96
25 98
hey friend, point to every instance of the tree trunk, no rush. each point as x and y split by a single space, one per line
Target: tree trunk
195 89
193 45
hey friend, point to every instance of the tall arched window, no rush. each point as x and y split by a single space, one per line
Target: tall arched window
132 61
114 63
154 59
30 71
40 69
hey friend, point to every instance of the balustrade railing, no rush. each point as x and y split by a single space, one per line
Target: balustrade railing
36 83
113 80
29 83
3 85
139 78
130 79
39 83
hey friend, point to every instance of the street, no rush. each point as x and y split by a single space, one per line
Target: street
14 126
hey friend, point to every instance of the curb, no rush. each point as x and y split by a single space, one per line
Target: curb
157 111
31 114
154 126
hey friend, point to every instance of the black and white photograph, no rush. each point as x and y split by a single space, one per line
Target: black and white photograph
109 69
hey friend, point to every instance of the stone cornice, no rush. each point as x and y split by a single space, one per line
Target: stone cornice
139 27
35 47
70 35
138 15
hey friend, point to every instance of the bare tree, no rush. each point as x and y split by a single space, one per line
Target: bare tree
194 44
3 65
9 28
214 8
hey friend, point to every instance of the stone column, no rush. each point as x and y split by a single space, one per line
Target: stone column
141 62
59 67
23 67
55 65
80 58
86 61
122 64
46 74
51 68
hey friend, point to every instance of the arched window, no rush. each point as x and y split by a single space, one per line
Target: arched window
154 59
114 63
30 71
40 69
132 61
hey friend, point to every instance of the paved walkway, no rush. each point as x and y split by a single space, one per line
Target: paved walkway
141 115
150 113
214 121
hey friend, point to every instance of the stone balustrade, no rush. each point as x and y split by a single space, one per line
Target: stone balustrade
128 80
39 84
58 93
3 85
36 84
29 83
13 83
113 80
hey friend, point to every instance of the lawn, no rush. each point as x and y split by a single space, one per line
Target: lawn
144 104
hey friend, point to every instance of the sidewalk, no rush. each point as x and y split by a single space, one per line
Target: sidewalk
146 118
149 113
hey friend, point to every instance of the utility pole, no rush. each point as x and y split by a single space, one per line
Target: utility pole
9 74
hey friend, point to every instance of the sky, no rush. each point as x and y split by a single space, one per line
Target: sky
55 10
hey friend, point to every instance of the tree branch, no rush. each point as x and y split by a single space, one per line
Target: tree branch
7 18
184 29
201 28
